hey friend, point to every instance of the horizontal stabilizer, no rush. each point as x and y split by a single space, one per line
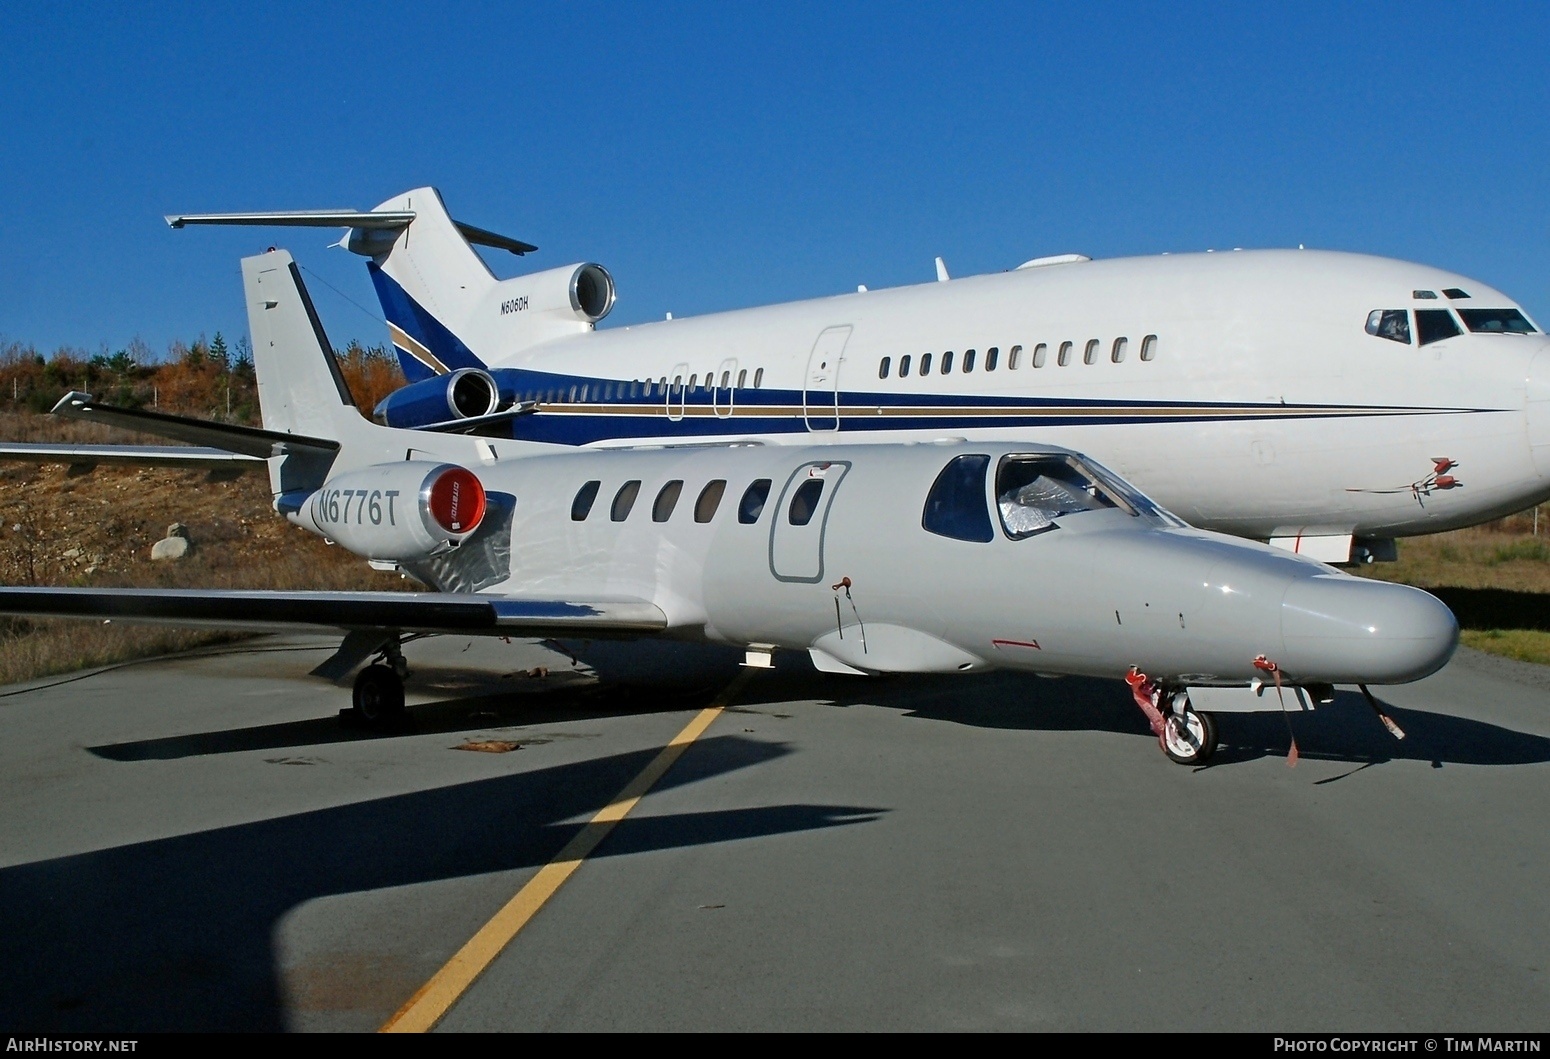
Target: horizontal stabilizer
384 220
184 456
427 612
299 219
229 437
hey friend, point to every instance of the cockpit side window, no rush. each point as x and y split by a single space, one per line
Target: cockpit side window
1033 491
1393 324
1434 325
1497 321
956 505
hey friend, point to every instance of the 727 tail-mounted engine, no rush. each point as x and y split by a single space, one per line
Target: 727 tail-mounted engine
462 394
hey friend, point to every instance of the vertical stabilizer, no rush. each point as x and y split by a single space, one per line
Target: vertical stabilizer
446 310
300 389
430 282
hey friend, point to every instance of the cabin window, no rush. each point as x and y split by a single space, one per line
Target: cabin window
726 380
1117 354
1454 293
990 358
882 367
694 382
968 360
1014 359
925 363
667 499
581 507
1434 325
947 362
956 506
1392 324
1065 354
904 365
1090 354
804 502
624 499
1033 491
573 392
758 378
1149 347
586 393
742 378
710 499
1497 321
752 505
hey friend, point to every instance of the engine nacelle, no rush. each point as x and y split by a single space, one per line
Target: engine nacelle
398 511
583 292
462 394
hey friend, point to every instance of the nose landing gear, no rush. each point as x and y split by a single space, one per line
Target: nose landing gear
1188 736
1185 734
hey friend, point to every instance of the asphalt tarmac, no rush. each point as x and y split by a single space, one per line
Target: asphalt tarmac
201 843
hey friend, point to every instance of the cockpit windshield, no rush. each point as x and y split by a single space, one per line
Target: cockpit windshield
1033 491
1497 321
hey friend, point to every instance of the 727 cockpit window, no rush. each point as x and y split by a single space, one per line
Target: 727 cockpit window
1393 324
1434 325
1033 491
1497 321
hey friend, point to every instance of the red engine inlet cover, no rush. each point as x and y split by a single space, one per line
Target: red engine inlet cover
457 500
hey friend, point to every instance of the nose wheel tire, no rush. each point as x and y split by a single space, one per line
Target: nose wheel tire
379 695
1189 736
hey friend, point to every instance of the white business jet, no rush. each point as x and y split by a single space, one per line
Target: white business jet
957 557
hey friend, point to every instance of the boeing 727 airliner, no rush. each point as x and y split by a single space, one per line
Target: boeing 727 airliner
1326 401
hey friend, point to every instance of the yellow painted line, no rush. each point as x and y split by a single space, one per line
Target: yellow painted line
436 997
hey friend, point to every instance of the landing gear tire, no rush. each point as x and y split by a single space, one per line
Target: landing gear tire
379 696
1189 736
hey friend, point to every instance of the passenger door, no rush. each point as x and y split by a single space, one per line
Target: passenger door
677 393
798 521
821 392
724 389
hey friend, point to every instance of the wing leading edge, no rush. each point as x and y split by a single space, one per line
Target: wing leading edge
408 612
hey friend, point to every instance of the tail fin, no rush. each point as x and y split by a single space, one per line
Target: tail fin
441 301
446 310
427 276
300 388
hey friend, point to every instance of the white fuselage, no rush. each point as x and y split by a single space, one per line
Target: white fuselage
1262 406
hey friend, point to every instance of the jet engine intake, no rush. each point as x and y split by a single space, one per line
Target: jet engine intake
399 511
463 394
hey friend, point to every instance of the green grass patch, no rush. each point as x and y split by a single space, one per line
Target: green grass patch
1526 645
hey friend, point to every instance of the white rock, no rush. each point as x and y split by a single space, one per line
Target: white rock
170 548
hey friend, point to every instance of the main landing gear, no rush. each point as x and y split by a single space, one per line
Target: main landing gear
379 689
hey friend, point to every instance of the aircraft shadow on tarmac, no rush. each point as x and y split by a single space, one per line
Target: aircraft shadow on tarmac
1345 730
176 933
481 712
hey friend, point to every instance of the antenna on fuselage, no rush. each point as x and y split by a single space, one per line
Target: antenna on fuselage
941 271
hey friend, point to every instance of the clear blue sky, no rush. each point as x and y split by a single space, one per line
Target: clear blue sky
723 155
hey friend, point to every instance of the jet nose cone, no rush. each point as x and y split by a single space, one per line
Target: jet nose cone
1539 412
1347 630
